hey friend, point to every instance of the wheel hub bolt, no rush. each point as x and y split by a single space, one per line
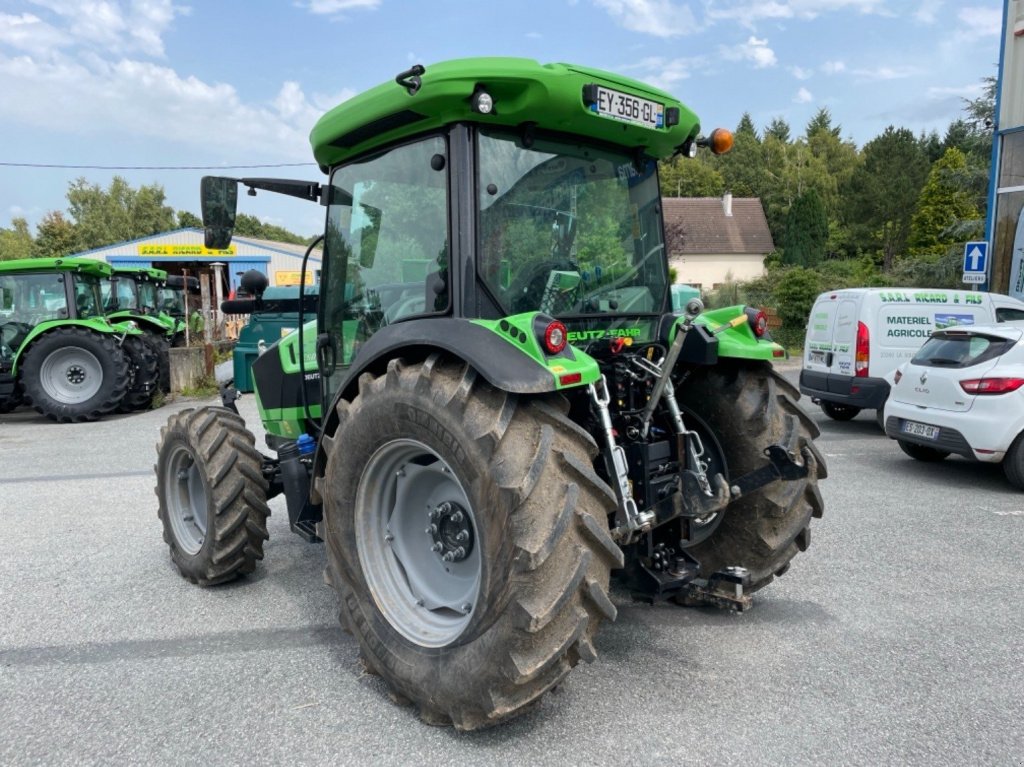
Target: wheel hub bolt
437 547
448 557
457 517
466 608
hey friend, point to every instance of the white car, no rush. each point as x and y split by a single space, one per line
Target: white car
963 393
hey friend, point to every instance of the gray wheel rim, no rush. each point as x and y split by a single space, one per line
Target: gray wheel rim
405 493
186 500
71 375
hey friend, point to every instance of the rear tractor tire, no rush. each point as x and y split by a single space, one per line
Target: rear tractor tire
74 374
747 407
467 539
212 495
160 345
145 371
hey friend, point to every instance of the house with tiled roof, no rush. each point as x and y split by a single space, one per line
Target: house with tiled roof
712 240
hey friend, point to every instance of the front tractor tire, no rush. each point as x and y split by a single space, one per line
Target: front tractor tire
74 374
212 495
467 539
748 406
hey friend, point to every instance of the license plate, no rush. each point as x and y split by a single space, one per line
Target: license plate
818 357
920 429
622 106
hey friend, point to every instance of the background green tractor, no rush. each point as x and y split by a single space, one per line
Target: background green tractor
177 298
496 407
58 352
133 294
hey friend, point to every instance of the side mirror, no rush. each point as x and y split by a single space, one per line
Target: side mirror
219 196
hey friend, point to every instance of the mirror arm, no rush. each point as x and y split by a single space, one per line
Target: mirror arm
304 190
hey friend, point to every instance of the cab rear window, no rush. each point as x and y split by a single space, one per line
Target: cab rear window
960 350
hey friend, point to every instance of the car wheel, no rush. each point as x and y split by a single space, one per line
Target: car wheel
1013 463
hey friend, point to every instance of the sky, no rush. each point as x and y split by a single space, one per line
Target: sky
177 90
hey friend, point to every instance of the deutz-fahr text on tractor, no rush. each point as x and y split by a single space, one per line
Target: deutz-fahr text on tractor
496 410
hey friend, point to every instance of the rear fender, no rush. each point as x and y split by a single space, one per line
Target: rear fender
97 325
736 339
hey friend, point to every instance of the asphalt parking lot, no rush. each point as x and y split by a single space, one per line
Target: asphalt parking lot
895 639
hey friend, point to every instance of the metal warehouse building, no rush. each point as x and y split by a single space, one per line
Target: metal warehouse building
182 252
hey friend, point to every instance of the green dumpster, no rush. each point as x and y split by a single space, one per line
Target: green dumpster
277 316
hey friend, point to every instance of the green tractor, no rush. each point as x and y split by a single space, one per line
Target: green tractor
496 410
176 297
58 352
133 294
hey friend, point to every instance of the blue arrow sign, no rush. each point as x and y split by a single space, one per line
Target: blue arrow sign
975 257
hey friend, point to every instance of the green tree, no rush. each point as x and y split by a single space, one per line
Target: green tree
746 126
945 200
188 220
686 177
250 226
55 236
15 242
806 234
119 213
821 124
883 192
778 129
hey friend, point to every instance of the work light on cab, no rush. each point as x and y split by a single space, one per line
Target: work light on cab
481 102
555 336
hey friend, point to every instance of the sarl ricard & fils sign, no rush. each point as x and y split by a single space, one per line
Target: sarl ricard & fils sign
179 251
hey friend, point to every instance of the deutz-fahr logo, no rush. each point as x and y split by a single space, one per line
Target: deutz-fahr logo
575 336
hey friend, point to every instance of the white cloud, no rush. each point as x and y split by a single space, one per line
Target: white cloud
800 73
748 12
978 22
336 7
666 73
137 98
113 26
803 96
30 33
833 67
661 18
886 73
927 11
753 50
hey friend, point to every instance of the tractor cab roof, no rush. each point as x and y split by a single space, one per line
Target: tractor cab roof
82 265
142 272
522 92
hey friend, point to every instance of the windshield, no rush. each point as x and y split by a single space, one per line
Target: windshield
87 296
569 229
171 301
118 294
147 295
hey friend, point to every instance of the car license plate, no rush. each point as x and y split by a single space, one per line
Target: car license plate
920 429
622 106
818 357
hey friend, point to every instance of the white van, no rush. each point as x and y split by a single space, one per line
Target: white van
857 337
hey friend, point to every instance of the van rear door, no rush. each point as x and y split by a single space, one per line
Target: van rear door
831 335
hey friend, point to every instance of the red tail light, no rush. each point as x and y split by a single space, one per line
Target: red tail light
991 385
860 359
758 321
555 337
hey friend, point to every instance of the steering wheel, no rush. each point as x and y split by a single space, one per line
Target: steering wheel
527 290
